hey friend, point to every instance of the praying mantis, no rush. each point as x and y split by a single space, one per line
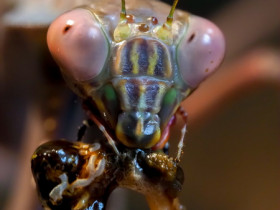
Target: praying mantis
132 63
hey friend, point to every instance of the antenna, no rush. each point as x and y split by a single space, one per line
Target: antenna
123 30
164 32
170 16
123 12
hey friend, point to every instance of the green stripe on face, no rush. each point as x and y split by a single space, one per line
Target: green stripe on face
108 104
110 93
170 97
169 105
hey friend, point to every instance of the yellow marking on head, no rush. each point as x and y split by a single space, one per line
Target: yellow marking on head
160 94
121 137
142 97
123 91
155 139
122 31
139 127
153 59
134 57
169 69
167 63
164 33
117 64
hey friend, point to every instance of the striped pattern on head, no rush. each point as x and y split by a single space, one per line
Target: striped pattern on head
143 57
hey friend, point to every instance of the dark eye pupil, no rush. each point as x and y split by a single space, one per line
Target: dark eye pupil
191 38
67 28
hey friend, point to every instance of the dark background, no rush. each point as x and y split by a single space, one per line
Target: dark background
201 7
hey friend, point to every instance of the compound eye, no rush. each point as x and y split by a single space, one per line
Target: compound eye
200 51
78 44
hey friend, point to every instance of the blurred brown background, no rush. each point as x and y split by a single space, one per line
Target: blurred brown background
232 152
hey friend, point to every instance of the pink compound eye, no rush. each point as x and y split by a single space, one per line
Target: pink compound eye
78 44
200 51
